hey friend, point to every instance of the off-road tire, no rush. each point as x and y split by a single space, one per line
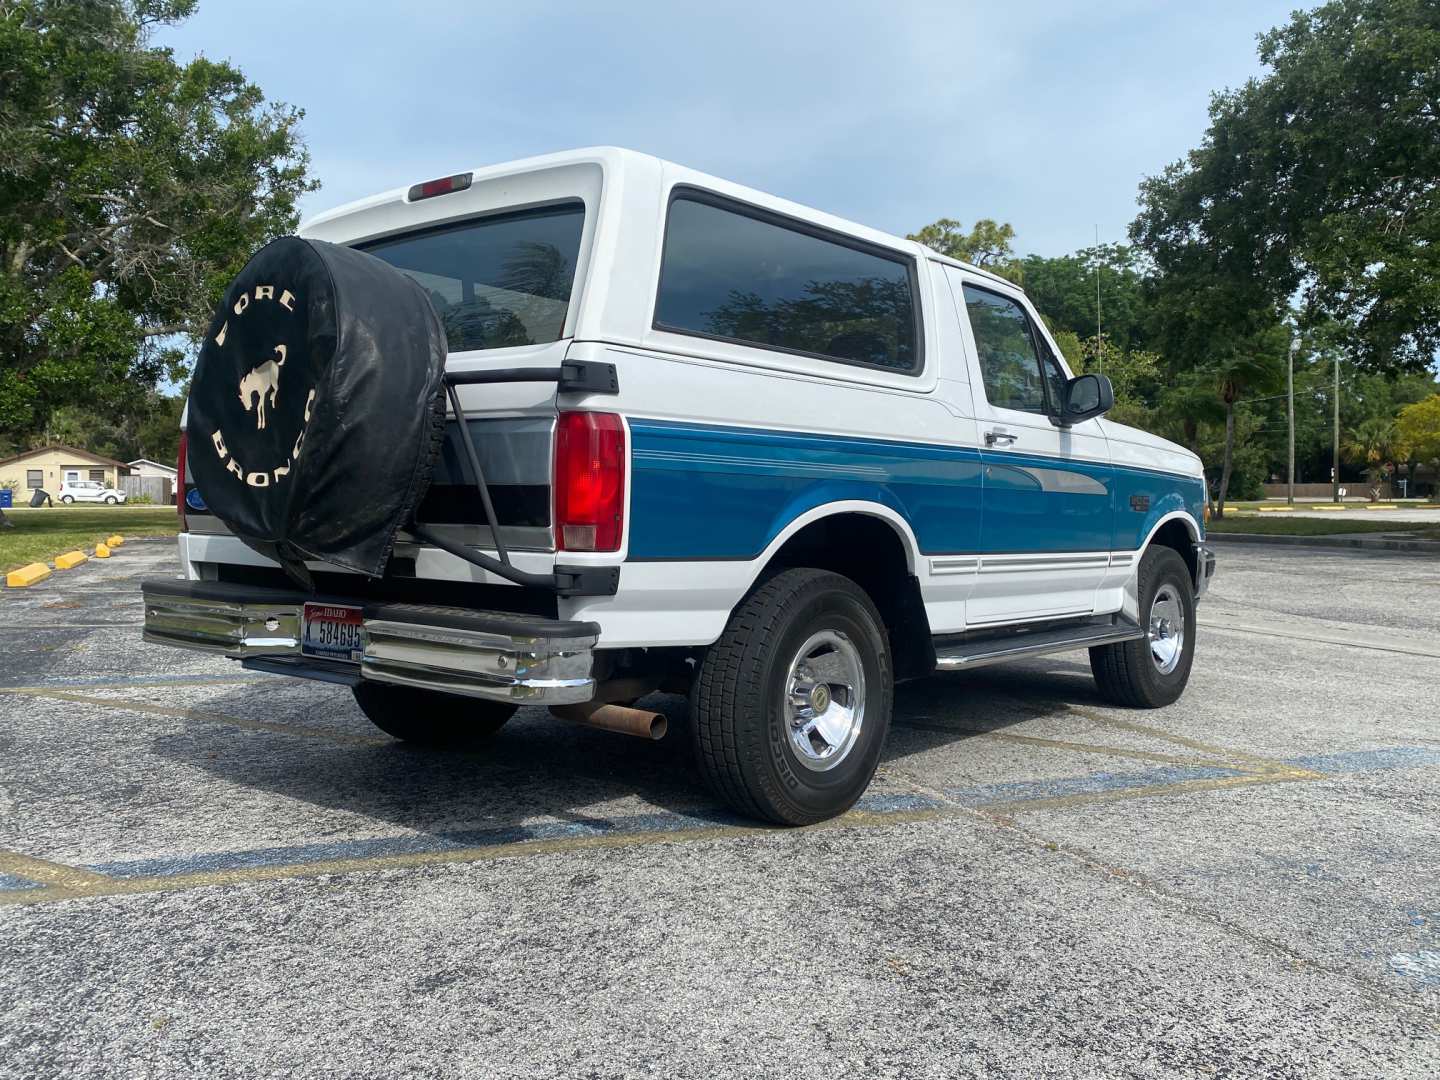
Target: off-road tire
737 702
1126 673
428 718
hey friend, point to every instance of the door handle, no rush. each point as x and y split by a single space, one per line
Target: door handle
999 438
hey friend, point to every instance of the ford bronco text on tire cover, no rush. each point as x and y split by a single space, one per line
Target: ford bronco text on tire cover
572 430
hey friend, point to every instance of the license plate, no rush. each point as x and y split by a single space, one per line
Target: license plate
333 632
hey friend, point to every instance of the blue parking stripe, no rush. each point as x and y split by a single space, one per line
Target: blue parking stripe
139 680
1351 761
413 845
672 822
1095 783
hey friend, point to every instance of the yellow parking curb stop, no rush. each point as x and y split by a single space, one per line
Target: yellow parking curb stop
114 541
27 575
1274 509
1328 506
101 551
1381 506
69 559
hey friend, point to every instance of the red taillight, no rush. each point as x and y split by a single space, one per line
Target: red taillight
589 481
180 484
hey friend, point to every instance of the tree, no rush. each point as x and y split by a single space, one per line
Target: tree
1236 373
1319 178
987 245
1418 427
1373 444
1063 289
132 189
1134 375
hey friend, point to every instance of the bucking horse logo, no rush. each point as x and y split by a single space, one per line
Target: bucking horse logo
261 383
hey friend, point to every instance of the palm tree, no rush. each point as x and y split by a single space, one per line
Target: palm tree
1234 375
1371 444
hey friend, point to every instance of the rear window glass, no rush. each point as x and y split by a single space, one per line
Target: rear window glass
496 281
740 276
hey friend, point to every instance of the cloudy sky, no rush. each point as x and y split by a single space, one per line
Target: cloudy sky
1042 113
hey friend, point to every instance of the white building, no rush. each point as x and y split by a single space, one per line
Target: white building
145 467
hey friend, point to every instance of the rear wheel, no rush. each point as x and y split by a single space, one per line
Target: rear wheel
1152 671
67 499
427 718
792 704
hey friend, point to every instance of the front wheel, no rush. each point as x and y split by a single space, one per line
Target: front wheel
791 705
1152 671
428 718
110 499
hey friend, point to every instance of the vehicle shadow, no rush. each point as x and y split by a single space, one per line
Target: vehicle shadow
542 769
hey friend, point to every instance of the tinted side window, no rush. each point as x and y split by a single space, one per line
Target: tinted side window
495 281
1008 362
742 277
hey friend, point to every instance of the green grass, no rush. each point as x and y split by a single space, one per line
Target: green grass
1306 504
1285 525
39 535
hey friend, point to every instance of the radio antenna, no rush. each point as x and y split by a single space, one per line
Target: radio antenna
1099 345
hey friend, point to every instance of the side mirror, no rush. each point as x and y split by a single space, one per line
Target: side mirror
1087 396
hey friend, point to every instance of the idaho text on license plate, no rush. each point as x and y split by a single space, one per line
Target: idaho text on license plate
333 631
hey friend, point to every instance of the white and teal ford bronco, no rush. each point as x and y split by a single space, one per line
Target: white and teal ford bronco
571 430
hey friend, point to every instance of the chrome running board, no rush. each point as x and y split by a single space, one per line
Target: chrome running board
963 655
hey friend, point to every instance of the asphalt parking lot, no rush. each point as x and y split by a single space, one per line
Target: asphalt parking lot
205 871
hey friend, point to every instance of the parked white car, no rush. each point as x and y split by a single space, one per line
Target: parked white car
73 491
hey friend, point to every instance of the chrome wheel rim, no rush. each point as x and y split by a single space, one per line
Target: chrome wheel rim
1167 629
824 700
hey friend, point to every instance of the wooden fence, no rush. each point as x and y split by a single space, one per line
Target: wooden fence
160 489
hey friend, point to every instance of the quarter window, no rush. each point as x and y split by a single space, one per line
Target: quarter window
741 275
1009 364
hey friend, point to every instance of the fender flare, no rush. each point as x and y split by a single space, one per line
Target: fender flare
1183 515
1130 602
885 513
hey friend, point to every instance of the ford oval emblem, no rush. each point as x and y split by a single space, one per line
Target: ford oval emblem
194 500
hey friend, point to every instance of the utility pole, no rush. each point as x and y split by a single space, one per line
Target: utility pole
1335 441
1290 417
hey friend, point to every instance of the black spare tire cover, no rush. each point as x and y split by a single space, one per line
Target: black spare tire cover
317 405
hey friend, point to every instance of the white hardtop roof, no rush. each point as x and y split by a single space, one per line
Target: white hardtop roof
614 160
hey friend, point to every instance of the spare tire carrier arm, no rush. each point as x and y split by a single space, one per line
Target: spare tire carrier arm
585 376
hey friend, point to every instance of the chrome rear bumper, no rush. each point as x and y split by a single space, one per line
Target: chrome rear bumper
487 654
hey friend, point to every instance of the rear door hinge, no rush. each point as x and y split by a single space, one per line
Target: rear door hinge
587 580
588 377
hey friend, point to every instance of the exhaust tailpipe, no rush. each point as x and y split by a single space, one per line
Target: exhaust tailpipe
642 723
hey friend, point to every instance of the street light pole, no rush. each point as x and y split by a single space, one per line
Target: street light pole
1290 417
1335 439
